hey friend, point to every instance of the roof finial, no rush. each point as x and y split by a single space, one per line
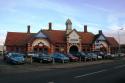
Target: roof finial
68 21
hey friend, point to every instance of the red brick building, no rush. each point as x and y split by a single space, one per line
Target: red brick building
68 40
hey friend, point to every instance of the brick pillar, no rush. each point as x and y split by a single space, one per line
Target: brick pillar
28 47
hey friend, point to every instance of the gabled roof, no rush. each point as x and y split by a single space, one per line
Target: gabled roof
112 42
55 36
98 35
40 34
72 31
87 37
17 38
59 36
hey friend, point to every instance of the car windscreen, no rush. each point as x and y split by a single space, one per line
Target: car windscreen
16 55
43 55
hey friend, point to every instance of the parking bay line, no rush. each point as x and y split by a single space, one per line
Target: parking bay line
88 74
121 66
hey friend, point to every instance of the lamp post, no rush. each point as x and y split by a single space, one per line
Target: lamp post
119 43
119 48
3 49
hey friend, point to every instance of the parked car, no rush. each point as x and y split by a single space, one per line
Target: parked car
32 54
14 58
59 57
103 54
41 57
109 56
99 57
83 56
121 54
92 55
72 58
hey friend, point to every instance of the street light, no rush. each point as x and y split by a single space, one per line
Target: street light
119 48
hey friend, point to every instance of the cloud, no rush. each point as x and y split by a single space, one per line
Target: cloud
2 35
35 12
117 34
60 26
114 24
97 7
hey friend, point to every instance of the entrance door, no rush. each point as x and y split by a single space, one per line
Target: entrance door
73 49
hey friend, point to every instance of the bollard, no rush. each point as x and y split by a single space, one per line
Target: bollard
29 59
91 59
79 59
53 60
63 61
85 59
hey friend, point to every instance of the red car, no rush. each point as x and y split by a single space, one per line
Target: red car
72 58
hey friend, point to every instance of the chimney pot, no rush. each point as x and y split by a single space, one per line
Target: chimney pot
28 28
50 26
85 28
100 31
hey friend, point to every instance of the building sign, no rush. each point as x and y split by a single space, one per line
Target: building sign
73 37
74 40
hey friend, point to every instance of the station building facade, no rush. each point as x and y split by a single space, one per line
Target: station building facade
67 41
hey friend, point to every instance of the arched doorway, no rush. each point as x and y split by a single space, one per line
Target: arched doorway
41 49
73 49
41 46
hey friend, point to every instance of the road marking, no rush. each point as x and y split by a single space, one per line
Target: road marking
51 82
90 73
121 66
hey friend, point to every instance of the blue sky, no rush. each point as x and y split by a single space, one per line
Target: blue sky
106 15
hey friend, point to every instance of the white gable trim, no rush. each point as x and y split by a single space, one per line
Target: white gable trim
44 41
73 37
101 38
40 35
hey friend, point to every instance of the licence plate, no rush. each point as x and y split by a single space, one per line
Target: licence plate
44 59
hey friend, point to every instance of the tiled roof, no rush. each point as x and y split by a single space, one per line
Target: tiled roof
55 36
17 38
58 36
87 37
112 42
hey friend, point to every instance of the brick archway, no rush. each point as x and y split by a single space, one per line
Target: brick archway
73 49
41 45
41 49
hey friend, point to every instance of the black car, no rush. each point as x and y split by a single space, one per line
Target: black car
42 58
81 55
60 57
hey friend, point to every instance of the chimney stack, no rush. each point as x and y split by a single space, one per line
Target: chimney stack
85 28
100 31
28 29
50 26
